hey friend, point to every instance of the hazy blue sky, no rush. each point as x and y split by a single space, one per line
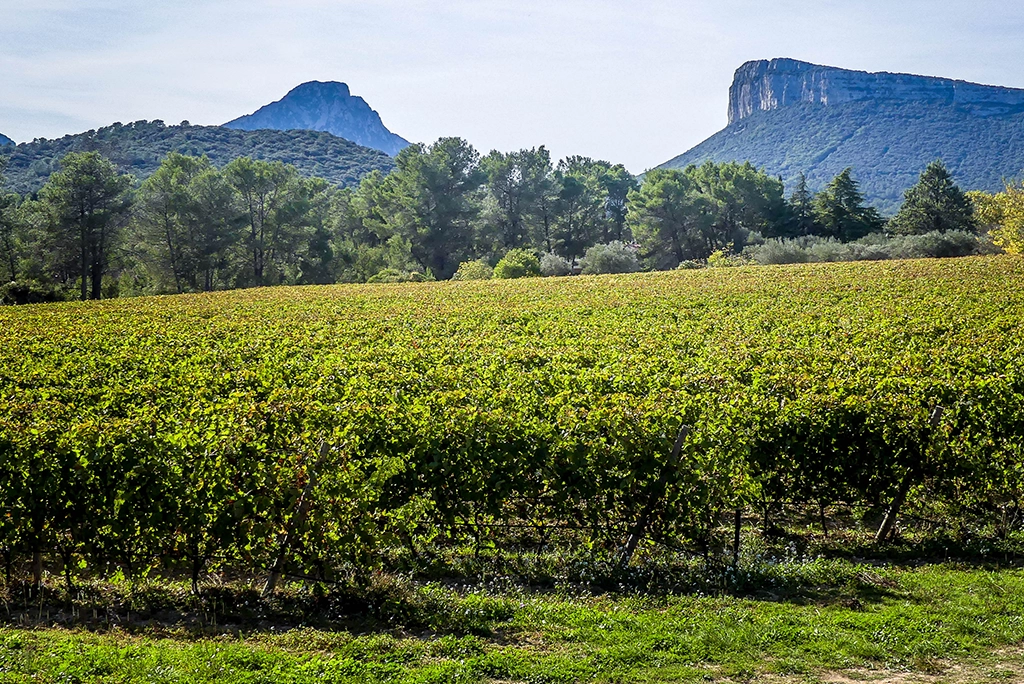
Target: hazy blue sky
633 82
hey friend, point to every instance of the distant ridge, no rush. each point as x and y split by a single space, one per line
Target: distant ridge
791 117
5 141
138 148
767 85
330 107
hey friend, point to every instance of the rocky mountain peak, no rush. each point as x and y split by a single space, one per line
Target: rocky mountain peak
326 89
4 140
325 106
772 84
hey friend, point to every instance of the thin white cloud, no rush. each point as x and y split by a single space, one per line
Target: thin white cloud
633 82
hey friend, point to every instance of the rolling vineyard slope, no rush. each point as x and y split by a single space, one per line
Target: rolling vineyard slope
308 429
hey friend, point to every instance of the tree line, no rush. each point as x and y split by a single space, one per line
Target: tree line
444 211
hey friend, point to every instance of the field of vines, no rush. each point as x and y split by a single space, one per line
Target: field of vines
316 430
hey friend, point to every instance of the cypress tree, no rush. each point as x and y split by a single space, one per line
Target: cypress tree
801 204
935 203
841 212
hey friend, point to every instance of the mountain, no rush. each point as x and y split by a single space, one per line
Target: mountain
5 141
138 148
329 107
791 117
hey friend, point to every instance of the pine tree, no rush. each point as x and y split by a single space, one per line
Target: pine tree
801 204
935 203
840 210
88 196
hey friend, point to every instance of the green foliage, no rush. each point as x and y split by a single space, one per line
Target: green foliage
518 263
933 621
745 199
689 214
618 184
840 212
474 270
935 204
554 265
801 205
187 220
1002 214
590 206
429 201
86 198
614 257
887 143
521 188
670 218
875 247
197 227
394 275
276 208
9 224
181 433
139 148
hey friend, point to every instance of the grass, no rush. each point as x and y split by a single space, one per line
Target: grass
957 622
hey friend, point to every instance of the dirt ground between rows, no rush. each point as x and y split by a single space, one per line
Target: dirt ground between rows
1001 667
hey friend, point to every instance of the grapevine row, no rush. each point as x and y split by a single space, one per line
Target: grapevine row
314 429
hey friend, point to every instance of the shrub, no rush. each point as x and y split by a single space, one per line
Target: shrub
28 293
690 265
954 243
393 275
518 263
474 270
615 257
721 259
874 247
778 252
554 265
830 249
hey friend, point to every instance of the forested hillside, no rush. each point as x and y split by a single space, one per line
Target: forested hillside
445 212
791 118
138 148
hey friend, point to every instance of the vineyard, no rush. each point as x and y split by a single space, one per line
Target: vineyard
323 431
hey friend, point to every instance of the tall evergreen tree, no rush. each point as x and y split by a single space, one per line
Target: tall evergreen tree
162 210
87 198
801 205
268 191
430 200
671 218
215 227
581 216
8 223
515 183
618 183
840 210
935 203
746 199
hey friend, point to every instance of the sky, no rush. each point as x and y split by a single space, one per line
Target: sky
635 82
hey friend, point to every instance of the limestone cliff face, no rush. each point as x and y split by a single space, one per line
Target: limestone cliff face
767 85
329 107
